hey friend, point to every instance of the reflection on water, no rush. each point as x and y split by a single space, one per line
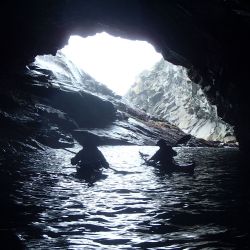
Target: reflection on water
139 209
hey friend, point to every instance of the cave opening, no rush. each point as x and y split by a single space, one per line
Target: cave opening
45 205
134 70
113 61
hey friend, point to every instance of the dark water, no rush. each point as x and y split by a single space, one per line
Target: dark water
136 209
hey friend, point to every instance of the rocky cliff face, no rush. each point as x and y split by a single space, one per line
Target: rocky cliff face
60 72
168 93
54 98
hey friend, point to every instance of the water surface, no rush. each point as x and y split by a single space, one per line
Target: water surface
137 209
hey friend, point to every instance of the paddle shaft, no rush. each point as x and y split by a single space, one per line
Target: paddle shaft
69 151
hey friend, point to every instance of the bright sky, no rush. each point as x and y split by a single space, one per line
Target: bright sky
113 61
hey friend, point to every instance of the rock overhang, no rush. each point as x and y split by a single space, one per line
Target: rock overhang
210 38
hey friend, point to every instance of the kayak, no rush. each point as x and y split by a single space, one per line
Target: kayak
89 173
174 167
181 168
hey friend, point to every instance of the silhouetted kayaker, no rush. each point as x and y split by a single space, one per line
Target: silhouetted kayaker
165 155
89 157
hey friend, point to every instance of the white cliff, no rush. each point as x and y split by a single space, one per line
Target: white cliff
168 93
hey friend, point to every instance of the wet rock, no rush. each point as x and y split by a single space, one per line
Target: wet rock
54 137
56 116
184 140
26 125
132 131
86 109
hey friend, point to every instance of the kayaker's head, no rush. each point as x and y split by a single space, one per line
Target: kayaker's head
88 144
167 149
162 143
86 139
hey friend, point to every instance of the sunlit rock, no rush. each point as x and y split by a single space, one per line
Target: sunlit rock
168 93
59 71
94 107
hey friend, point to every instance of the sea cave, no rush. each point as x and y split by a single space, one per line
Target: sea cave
193 97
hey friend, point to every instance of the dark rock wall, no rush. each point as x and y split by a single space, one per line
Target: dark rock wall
210 38
33 116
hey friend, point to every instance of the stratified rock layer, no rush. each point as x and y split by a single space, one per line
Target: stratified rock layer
45 108
167 92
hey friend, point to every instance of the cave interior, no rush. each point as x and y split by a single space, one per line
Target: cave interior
209 38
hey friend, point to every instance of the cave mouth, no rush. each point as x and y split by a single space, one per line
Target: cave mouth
112 61
134 70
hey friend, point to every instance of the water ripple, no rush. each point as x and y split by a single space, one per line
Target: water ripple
139 209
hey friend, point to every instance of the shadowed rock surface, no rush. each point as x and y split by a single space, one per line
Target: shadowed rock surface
39 112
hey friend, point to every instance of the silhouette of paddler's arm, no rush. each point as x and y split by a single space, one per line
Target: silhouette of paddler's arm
155 157
102 159
174 153
76 158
